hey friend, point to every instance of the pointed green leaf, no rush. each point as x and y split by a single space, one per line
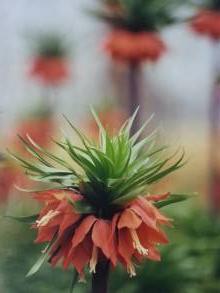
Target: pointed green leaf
174 198
37 265
44 256
29 219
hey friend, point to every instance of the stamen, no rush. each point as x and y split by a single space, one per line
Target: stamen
93 260
46 219
82 279
136 243
44 250
131 270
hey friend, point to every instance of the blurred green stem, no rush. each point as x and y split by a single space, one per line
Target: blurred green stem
214 152
134 94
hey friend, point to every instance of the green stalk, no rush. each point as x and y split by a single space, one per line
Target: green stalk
214 184
134 95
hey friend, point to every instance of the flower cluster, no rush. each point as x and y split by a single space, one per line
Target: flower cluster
207 22
102 210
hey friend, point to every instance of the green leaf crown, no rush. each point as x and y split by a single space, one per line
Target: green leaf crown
139 15
50 45
109 173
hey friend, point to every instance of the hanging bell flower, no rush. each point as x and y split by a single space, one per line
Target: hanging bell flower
50 70
207 22
40 128
134 25
50 64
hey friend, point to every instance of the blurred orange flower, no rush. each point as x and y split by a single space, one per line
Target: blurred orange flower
50 70
40 129
128 46
7 178
207 22
10 176
130 235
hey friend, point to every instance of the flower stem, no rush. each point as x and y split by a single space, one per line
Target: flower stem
214 153
134 94
100 278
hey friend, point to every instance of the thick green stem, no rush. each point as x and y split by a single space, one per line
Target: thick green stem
100 278
134 94
214 150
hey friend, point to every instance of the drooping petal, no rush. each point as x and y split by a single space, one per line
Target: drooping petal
81 257
161 219
62 252
148 219
125 245
129 219
148 235
113 240
45 234
146 206
82 230
114 223
68 220
153 254
101 236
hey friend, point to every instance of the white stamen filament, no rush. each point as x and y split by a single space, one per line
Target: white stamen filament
93 260
131 270
136 243
82 279
46 219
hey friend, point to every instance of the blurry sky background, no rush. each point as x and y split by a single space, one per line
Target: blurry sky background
182 77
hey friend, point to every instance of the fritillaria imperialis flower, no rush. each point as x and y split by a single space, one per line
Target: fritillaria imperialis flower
49 63
101 211
39 128
134 36
207 22
50 70
131 234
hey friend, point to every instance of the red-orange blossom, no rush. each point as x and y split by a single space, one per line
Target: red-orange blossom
130 235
